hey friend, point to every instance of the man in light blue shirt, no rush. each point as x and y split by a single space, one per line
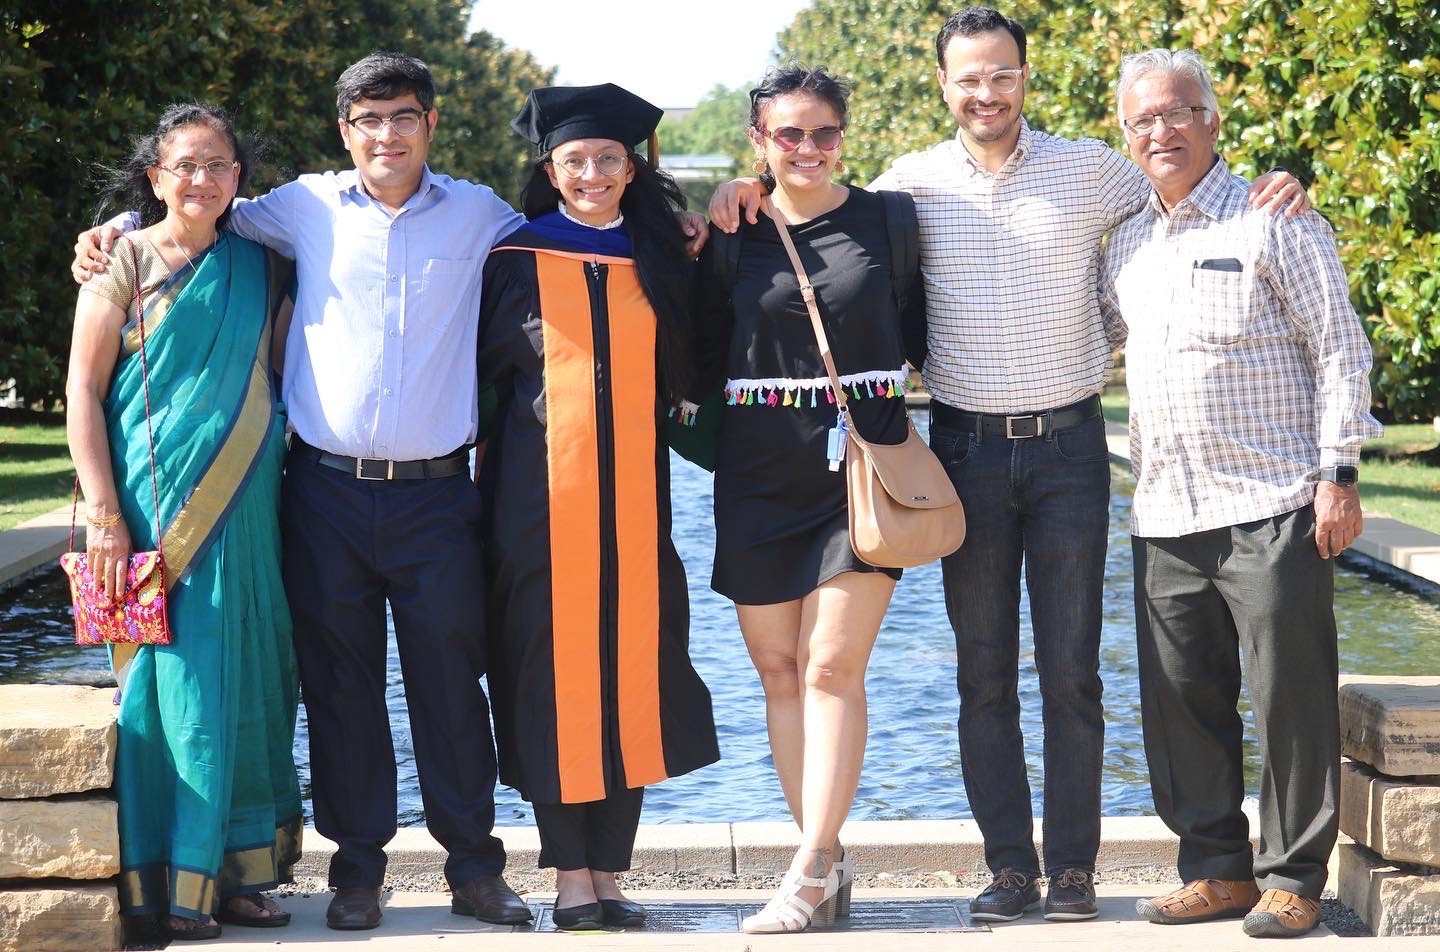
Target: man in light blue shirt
378 505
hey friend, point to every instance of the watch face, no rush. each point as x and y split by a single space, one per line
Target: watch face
1346 475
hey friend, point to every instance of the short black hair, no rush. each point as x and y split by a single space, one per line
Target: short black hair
975 20
384 75
793 78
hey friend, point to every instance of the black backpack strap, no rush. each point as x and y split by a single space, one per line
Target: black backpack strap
902 226
725 258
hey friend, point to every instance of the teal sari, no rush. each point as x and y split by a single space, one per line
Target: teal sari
205 778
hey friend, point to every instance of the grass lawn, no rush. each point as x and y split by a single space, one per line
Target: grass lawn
35 473
1391 484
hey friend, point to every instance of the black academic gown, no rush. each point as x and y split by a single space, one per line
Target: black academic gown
590 673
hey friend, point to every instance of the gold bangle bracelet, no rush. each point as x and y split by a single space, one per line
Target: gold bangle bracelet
103 522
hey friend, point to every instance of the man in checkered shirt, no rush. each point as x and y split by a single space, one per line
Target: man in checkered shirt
1249 387
1011 225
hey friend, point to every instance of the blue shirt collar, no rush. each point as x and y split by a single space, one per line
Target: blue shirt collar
352 189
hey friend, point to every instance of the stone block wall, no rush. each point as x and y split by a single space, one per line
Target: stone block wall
59 829
1390 803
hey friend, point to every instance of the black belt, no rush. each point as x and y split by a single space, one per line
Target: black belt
1021 426
366 467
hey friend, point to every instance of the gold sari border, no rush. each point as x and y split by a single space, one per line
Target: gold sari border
195 522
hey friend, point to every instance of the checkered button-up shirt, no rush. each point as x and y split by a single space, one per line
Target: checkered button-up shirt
1011 266
1247 367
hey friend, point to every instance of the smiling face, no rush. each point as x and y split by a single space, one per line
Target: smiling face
985 115
203 197
1174 160
806 166
592 196
390 165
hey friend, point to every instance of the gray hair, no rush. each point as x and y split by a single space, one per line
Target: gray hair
1181 62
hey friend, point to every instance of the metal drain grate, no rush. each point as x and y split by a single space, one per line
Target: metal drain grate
875 915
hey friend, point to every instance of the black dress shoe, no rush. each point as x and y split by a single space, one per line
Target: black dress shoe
353 908
622 912
489 899
579 918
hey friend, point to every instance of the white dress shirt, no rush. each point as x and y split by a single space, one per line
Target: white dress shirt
380 358
1011 264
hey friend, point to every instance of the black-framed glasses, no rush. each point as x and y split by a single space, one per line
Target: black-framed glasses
1177 118
606 163
1001 81
789 138
405 123
216 168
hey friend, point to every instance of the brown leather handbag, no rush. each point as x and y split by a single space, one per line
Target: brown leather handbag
904 510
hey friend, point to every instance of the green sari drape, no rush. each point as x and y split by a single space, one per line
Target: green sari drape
205 778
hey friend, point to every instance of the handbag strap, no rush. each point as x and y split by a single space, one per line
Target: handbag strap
807 291
149 427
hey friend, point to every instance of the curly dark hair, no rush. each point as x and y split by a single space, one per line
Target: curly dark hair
127 185
651 205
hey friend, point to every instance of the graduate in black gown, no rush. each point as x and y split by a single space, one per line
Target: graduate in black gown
583 340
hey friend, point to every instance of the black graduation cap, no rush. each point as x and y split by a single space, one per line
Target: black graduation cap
555 114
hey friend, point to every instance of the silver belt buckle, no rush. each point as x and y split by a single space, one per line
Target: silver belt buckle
360 462
1036 418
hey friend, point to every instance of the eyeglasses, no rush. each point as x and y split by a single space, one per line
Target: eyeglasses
1177 118
1000 81
217 168
606 163
789 138
404 124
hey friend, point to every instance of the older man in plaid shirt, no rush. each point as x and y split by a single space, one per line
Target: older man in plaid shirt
1249 399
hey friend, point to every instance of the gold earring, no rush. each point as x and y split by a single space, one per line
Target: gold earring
760 165
839 165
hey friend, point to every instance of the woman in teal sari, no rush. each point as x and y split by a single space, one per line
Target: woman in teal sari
208 798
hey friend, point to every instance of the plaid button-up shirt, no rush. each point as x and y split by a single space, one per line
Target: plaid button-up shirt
1011 264
1246 364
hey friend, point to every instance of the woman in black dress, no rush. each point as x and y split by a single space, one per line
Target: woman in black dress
809 609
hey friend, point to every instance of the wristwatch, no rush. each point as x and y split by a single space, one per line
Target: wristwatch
1340 475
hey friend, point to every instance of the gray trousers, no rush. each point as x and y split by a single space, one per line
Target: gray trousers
1254 598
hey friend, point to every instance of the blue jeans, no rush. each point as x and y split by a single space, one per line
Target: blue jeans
1044 500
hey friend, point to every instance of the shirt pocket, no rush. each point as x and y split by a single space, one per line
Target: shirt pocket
444 283
1219 305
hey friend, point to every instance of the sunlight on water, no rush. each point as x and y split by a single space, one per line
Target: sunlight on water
912 767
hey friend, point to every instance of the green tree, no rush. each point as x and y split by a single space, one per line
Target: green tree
1343 94
84 76
716 126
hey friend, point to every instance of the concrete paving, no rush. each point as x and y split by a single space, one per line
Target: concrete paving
423 921
32 545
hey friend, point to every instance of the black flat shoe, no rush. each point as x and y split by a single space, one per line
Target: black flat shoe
622 913
579 918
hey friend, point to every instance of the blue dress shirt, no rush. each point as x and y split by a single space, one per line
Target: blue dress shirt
380 358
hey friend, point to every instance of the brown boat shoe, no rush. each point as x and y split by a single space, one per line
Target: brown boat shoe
1281 914
1201 900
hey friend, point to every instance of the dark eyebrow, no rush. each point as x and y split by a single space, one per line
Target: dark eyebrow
371 114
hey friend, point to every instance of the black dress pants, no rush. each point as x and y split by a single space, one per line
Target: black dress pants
1254 598
599 835
349 547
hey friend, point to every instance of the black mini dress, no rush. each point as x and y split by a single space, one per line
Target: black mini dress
781 518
